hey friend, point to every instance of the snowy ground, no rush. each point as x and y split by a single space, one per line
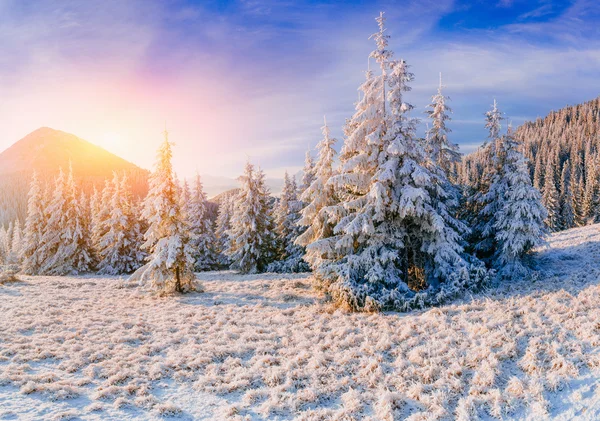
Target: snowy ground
267 347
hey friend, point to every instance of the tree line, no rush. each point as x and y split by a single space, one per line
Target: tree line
392 222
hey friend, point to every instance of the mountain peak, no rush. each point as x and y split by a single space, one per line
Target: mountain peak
46 149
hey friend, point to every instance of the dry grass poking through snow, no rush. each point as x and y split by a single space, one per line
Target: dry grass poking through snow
265 347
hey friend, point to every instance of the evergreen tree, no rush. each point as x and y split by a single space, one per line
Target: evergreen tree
185 197
551 198
319 196
567 213
223 226
520 221
170 262
488 196
101 216
590 197
16 244
538 176
34 229
308 172
287 214
203 240
119 247
251 234
4 245
578 193
65 243
395 236
83 242
442 152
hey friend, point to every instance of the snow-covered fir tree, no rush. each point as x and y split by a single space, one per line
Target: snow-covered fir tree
520 221
442 151
487 196
224 216
251 236
65 244
16 244
34 229
308 172
4 245
119 247
551 198
85 226
590 211
567 216
203 239
100 205
318 197
170 266
287 213
395 235
185 196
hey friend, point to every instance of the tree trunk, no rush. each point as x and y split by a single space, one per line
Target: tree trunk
177 280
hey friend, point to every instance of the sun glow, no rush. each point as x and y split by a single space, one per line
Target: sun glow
111 141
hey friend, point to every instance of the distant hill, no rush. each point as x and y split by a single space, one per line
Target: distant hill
46 150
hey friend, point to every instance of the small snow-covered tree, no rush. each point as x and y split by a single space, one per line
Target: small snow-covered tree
308 172
224 216
119 247
203 240
101 213
550 197
567 213
287 214
185 196
251 235
170 262
520 220
34 229
318 197
14 256
65 244
4 245
442 151
83 242
590 197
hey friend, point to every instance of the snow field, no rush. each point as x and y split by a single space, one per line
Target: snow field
269 347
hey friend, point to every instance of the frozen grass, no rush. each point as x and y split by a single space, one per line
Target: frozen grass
8 275
268 347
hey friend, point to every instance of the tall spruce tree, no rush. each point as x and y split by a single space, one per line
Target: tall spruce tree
170 266
319 196
487 197
520 221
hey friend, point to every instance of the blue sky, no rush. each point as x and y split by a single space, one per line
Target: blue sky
251 79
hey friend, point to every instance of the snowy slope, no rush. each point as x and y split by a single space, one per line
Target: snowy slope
268 347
